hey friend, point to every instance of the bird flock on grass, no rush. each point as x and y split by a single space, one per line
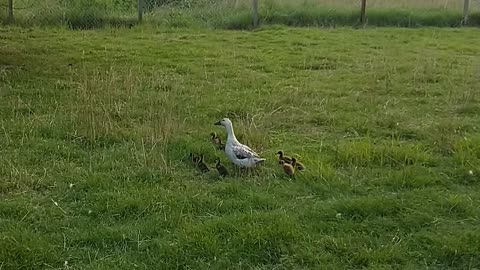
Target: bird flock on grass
241 155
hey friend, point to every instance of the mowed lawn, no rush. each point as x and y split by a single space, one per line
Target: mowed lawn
97 126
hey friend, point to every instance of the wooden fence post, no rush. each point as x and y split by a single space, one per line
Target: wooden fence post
255 13
10 18
362 12
466 3
140 10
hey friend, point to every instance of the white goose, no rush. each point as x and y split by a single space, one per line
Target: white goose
239 154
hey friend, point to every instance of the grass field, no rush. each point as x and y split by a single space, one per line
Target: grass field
96 127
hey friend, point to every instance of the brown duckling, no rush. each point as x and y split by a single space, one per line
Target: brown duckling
202 166
216 140
221 169
281 157
287 168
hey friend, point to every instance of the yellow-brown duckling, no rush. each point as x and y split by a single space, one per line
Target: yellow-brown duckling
216 140
299 166
288 168
282 157
221 169
202 166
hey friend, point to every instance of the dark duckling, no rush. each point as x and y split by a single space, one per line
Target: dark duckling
194 158
202 166
221 169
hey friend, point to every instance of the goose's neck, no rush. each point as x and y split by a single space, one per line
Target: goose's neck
230 134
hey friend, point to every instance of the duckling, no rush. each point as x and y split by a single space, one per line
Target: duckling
221 169
202 166
281 157
194 158
216 140
288 168
299 166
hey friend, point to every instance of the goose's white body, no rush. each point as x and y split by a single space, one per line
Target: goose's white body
239 154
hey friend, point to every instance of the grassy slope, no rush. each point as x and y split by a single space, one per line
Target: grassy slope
386 121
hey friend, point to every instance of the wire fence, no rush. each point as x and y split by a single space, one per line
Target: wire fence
75 13
239 14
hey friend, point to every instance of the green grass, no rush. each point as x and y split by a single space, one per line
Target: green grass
93 155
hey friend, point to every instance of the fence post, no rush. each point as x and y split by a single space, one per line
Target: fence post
465 11
362 12
255 13
10 18
140 10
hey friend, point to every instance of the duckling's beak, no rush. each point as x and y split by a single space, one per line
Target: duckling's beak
218 123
